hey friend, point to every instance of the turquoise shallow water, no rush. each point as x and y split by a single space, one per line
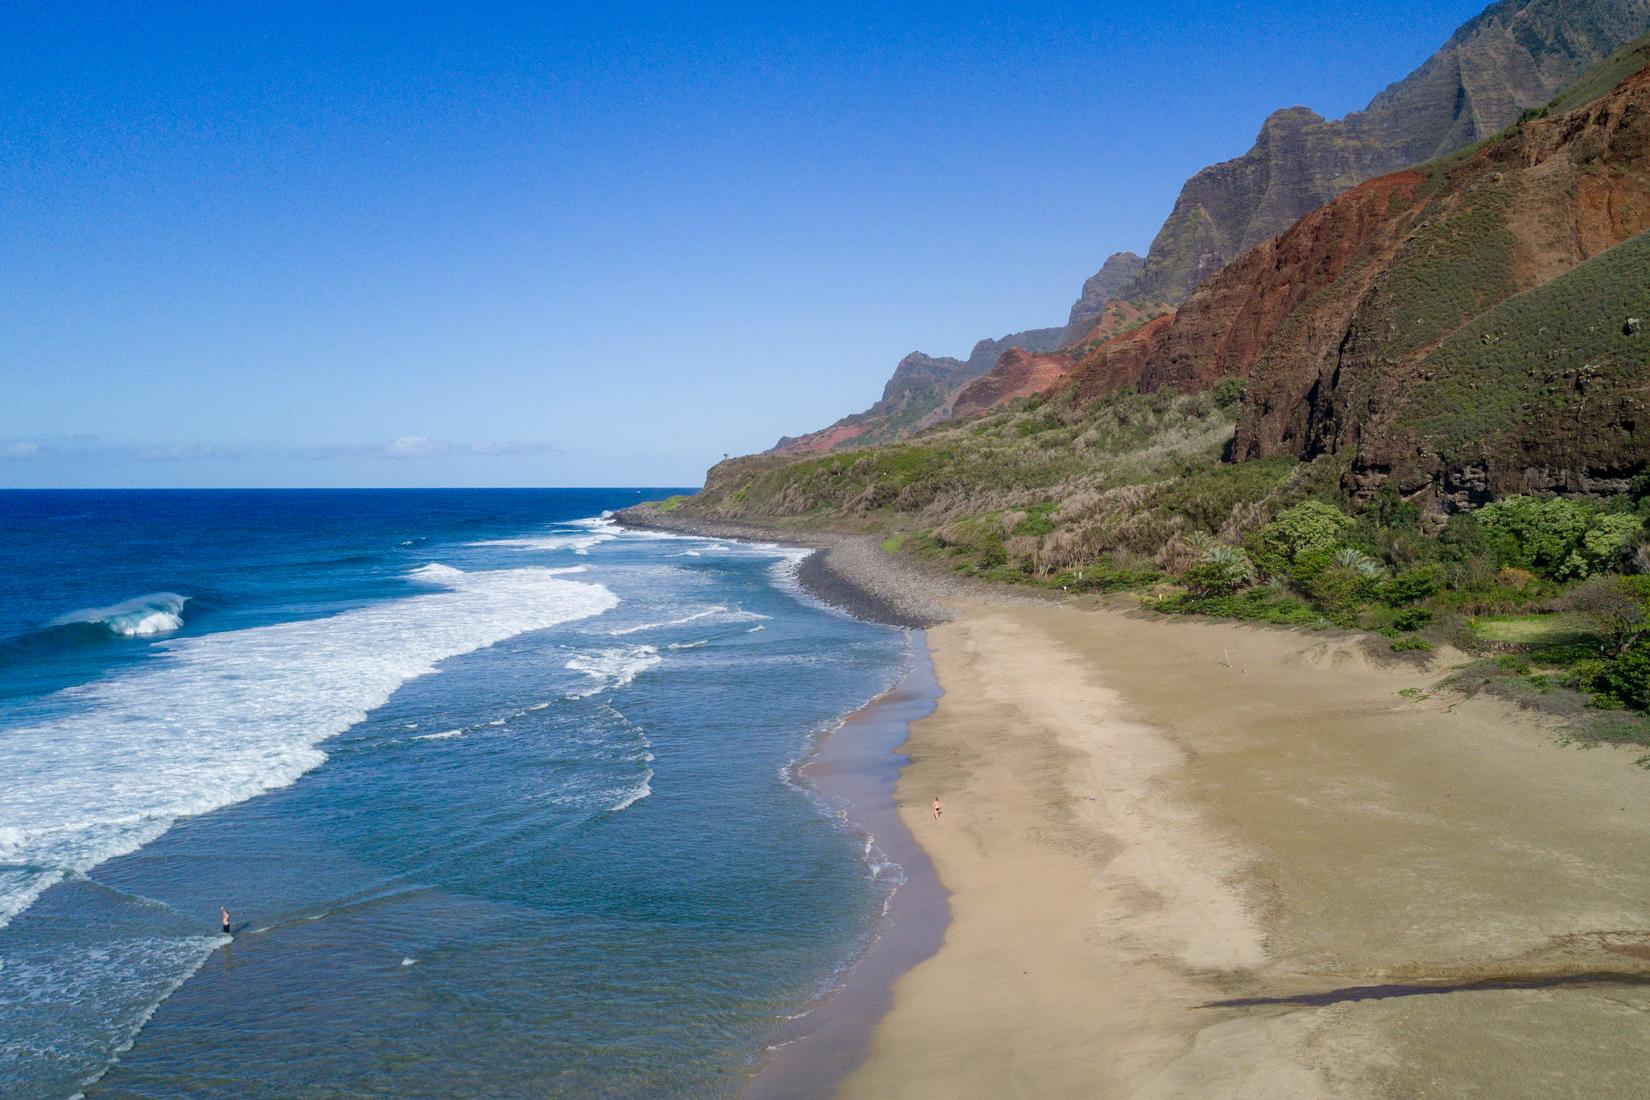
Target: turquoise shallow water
501 797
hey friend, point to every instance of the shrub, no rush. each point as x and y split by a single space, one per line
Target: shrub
1413 585
1412 618
1626 678
1222 570
1356 561
1340 593
1021 550
1605 544
1585 675
1534 533
1300 542
1260 604
1391 510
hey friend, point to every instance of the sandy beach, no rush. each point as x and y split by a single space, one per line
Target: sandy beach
1171 876
1194 858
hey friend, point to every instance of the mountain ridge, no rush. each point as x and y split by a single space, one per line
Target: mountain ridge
1513 56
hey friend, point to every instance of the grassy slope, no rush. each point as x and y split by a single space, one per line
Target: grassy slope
1538 358
1604 76
1038 493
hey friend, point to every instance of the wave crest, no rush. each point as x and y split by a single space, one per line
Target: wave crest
152 613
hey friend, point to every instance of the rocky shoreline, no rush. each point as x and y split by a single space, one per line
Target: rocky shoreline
850 572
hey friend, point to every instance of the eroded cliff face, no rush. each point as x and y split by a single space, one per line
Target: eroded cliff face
1099 290
1528 375
1120 361
1513 56
1441 327
1018 373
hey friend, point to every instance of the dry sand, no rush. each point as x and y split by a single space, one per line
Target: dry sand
1134 833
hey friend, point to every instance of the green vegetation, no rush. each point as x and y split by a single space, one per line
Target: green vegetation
1601 78
1540 361
1457 263
1133 493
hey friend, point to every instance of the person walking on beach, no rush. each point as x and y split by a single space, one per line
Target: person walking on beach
936 809
224 912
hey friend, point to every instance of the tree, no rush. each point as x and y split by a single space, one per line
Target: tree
1534 533
1605 544
1301 540
1558 537
1617 608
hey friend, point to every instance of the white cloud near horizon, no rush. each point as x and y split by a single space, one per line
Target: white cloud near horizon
399 449
418 446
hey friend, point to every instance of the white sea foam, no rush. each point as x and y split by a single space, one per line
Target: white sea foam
154 613
579 544
697 615
220 718
688 645
78 974
445 735
612 668
636 794
589 532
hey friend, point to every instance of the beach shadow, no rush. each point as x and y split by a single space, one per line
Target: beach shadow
1423 989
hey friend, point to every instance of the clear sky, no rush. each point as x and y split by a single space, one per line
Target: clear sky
559 244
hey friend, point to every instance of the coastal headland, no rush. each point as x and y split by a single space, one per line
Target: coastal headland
1207 859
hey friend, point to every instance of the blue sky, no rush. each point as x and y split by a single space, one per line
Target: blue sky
558 244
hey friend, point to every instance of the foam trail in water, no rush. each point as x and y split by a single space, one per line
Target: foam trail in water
154 613
592 532
579 544
444 736
221 718
612 668
709 611
641 791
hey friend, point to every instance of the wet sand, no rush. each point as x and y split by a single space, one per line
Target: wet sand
1171 877
855 771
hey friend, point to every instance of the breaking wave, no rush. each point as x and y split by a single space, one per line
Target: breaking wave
220 718
154 613
612 668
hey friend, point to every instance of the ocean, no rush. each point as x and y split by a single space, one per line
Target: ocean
503 799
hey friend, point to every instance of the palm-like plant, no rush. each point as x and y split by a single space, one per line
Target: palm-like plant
1360 563
1199 542
1233 564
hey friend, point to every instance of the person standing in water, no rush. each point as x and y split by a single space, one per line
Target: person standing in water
936 809
224 912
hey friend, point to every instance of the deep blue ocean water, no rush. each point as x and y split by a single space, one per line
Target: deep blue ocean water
500 796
